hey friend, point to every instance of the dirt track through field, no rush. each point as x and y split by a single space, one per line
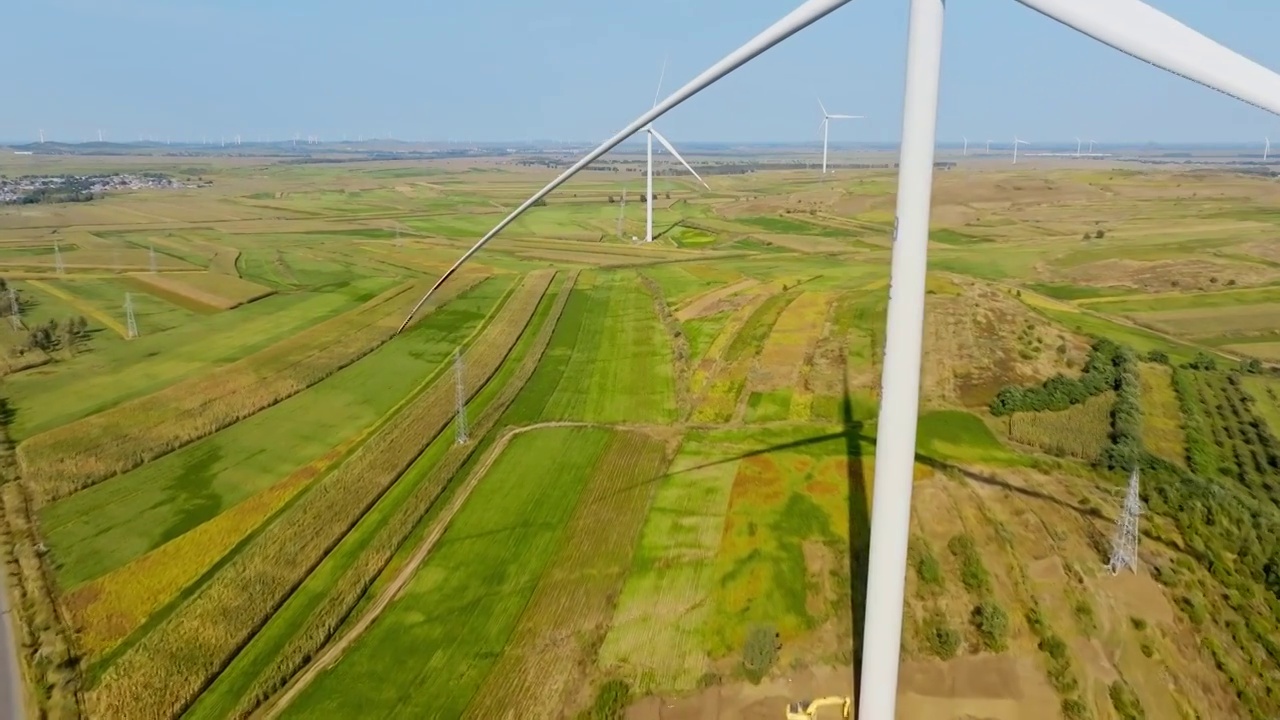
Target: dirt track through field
335 650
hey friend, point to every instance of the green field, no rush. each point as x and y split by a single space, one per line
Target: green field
670 447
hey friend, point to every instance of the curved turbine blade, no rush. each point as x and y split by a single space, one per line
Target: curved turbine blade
671 149
802 17
1139 30
824 108
845 117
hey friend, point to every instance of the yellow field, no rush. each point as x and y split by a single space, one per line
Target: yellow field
214 289
1162 431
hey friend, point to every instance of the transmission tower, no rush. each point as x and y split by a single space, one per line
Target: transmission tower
130 321
15 310
57 259
1124 552
153 259
460 386
622 211
399 242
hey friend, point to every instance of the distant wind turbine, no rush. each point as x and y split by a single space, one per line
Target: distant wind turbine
651 132
1266 149
1079 144
966 147
826 128
1016 143
42 137
988 147
1090 147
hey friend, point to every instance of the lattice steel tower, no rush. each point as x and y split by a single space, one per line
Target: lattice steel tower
1124 551
130 322
153 259
15 310
460 386
622 210
57 259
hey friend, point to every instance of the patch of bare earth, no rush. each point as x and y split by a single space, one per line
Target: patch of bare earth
743 701
980 340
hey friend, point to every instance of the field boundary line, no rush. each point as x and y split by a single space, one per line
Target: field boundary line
79 304
333 653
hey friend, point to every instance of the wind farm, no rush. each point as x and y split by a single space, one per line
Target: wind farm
800 430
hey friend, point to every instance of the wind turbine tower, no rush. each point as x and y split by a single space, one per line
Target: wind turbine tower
1016 143
1090 147
1079 144
988 147
1266 149
651 132
826 129
965 152
41 136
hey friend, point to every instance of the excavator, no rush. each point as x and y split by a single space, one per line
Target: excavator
808 709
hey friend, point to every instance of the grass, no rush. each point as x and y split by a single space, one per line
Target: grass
110 524
163 673
457 613
63 461
118 371
620 365
1162 431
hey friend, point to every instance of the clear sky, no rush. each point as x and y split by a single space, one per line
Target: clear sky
581 69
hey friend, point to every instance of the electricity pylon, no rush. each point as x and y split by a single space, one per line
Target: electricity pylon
131 329
460 429
1124 551
57 259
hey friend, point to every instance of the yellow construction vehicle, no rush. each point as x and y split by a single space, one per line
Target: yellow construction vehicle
808 709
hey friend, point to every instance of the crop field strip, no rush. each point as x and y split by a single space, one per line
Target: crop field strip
326 600
469 614
60 462
108 528
163 673
1162 431
1081 431
774 385
217 291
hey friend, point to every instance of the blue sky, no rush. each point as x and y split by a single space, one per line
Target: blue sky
581 69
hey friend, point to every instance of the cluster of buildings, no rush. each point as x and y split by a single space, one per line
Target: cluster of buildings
76 188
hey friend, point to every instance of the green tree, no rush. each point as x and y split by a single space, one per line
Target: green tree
760 652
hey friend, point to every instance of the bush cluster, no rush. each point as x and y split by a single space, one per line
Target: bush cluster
1125 451
760 652
1061 392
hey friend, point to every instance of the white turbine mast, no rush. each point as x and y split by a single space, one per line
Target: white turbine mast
650 134
1016 143
966 147
826 129
1091 147
1129 26
988 146
1079 144
1266 149
41 136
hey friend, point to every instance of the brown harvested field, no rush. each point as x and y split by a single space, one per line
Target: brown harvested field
59 462
1162 275
537 673
790 343
211 289
713 301
1209 322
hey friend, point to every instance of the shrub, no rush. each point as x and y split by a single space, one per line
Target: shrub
1138 623
942 639
1126 703
972 572
760 652
1061 392
992 624
611 700
928 570
1074 709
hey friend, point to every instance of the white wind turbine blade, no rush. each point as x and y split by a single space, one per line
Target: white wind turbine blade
824 108
671 149
845 117
802 17
1139 30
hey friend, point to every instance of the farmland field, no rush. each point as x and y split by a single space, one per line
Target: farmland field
657 503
